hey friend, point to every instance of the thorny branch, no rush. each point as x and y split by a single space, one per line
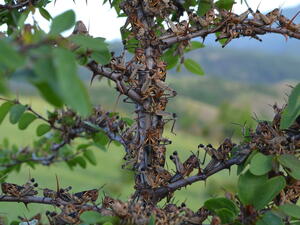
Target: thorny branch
116 77
99 121
19 5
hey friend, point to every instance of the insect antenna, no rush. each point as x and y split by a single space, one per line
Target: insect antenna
294 17
258 6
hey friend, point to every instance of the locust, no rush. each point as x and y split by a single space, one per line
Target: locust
28 189
69 215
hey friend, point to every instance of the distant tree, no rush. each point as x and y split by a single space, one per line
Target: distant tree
157 33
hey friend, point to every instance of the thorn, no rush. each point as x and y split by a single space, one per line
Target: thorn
93 77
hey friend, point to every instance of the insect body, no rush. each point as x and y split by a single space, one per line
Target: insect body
86 196
20 191
69 215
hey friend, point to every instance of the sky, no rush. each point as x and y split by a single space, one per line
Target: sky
103 22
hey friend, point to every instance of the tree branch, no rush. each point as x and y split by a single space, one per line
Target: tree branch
116 77
46 201
252 26
239 158
21 4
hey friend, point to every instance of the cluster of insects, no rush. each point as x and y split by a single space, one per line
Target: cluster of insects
70 204
139 213
229 25
271 140
145 74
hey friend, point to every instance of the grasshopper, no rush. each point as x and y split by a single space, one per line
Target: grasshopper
20 191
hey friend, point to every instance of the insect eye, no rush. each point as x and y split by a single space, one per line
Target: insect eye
74 214
32 180
35 185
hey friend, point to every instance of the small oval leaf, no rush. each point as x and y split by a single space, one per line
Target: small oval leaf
292 163
62 22
292 111
42 129
269 219
90 156
291 210
72 88
248 184
44 13
25 120
4 109
193 67
16 112
267 192
261 164
9 56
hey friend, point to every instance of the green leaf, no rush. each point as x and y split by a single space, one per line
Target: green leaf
9 57
258 190
72 88
292 111
4 109
25 120
48 93
268 191
152 220
220 203
225 4
248 184
221 41
193 67
291 210
261 164
242 166
269 219
203 7
22 19
225 215
42 129
100 139
95 44
80 161
45 13
90 156
292 163
16 112
107 223
194 45
93 126
46 81
169 58
128 121
62 22
102 57
222 207
92 217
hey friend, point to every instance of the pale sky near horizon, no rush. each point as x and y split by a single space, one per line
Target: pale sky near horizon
103 22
